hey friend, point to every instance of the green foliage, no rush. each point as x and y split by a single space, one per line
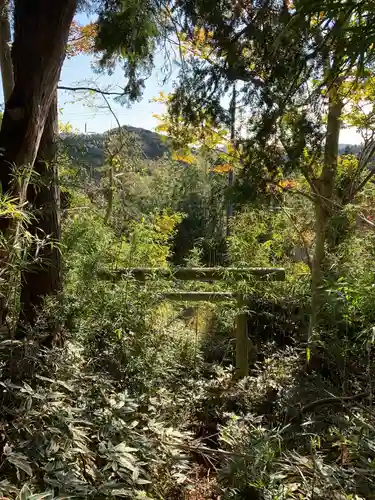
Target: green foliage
79 435
19 250
140 400
119 322
272 455
92 244
118 41
142 387
142 188
203 202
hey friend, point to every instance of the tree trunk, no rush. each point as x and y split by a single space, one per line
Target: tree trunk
44 278
321 220
5 52
233 141
324 205
110 194
41 29
6 67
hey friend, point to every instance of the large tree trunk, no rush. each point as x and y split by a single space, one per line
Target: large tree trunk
41 29
321 221
7 84
324 205
5 53
44 278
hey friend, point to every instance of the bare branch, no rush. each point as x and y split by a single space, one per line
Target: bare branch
332 401
91 89
311 407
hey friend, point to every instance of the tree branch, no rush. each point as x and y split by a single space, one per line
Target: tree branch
368 177
90 89
332 400
311 407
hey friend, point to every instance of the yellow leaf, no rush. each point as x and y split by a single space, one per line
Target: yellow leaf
226 167
308 354
288 184
183 158
163 127
202 35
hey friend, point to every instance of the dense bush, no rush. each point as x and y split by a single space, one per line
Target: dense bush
138 400
78 433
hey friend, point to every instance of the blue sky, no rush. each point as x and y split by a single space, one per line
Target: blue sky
90 113
95 116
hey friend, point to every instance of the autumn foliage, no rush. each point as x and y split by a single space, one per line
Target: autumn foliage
81 39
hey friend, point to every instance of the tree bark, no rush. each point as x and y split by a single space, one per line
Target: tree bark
6 67
44 278
5 52
41 30
325 185
233 141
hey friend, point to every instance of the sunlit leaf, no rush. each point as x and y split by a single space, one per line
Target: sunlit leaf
308 354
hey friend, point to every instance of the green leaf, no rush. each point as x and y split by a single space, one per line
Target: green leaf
21 462
27 389
25 493
58 382
121 447
123 462
308 354
7 488
122 492
143 481
47 495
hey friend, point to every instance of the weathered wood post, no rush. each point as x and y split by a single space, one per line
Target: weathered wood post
242 341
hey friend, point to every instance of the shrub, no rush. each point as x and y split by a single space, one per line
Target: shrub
77 434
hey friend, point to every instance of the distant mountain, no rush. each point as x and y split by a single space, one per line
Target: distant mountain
349 149
88 149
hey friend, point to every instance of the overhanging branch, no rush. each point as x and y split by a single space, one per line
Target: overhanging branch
90 89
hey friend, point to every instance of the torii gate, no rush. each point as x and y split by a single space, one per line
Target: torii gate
209 274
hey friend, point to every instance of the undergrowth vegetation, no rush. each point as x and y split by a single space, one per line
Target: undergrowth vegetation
137 398
188 314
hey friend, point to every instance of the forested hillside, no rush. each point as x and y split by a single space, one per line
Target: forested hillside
189 314
89 149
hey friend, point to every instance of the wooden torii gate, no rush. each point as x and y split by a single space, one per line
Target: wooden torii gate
209 274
